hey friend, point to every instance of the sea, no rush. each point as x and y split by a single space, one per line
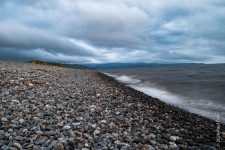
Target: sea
198 88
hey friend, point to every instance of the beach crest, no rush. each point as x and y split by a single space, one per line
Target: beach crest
63 108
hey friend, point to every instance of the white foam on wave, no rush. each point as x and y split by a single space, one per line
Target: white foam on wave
128 80
205 108
148 89
125 79
158 93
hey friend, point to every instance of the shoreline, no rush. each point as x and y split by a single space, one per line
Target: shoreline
196 111
171 106
62 108
164 105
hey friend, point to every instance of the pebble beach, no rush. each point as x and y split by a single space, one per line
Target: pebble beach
48 107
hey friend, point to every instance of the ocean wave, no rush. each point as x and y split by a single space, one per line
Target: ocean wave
205 108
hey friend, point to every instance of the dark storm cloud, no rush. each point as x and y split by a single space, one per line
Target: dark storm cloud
40 54
114 30
22 38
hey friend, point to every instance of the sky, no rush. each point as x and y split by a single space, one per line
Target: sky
100 31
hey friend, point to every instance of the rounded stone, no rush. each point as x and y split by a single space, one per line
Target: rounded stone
17 145
96 132
173 138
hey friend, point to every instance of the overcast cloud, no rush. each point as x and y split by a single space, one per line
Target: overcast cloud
99 31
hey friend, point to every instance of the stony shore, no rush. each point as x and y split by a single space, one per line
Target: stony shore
47 107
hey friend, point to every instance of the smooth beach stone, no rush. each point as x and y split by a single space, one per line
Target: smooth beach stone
42 140
98 95
36 147
79 118
86 135
21 121
86 128
71 133
148 147
19 138
153 142
96 132
103 121
173 138
129 139
223 135
151 136
39 132
29 146
66 127
93 125
4 119
50 133
10 130
173 146
47 142
112 125
2 132
17 145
